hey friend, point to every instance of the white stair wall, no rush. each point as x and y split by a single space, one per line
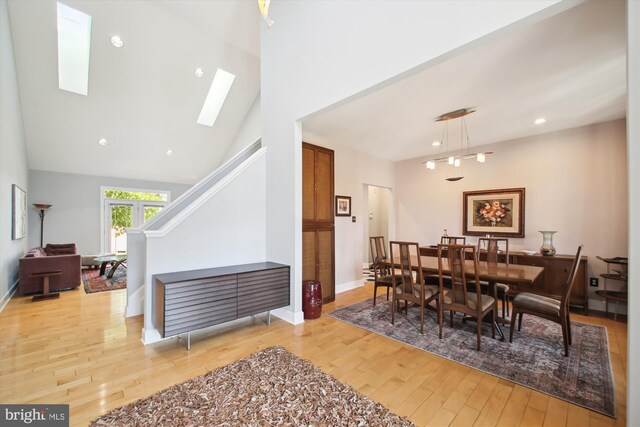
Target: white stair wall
224 225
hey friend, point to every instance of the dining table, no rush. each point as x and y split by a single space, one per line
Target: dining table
492 273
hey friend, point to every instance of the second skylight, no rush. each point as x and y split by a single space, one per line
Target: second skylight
218 92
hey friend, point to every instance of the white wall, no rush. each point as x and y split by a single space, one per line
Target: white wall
248 133
352 170
633 144
575 182
75 215
13 159
228 229
320 53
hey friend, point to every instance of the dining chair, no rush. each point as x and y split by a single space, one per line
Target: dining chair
547 307
411 288
382 273
488 248
446 240
453 240
459 299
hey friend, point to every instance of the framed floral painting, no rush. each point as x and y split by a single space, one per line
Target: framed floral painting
499 213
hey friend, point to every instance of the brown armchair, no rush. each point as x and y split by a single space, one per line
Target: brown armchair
39 260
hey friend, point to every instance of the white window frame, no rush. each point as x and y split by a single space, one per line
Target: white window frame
137 209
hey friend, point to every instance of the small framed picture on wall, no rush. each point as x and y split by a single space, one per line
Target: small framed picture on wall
343 205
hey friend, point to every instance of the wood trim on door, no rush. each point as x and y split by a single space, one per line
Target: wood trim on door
321 217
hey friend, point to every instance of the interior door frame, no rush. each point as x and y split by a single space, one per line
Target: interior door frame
391 235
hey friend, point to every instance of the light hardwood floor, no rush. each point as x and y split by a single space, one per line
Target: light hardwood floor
80 350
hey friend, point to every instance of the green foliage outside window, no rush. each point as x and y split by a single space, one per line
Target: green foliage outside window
121 216
120 219
134 195
151 211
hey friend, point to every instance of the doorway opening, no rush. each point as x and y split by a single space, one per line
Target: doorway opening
378 217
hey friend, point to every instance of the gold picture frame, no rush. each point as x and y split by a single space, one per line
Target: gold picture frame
499 213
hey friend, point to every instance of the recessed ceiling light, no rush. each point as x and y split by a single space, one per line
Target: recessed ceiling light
436 143
74 49
218 92
540 121
116 41
199 73
103 142
169 153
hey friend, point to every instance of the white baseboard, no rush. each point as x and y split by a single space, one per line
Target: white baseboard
6 297
344 287
150 336
289 316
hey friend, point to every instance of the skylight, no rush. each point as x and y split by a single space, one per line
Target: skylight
74 46
218 92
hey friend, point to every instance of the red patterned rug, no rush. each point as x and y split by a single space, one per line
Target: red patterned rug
94 282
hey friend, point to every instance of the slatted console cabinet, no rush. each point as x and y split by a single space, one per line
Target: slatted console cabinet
189 300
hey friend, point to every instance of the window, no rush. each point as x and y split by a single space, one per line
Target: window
127 208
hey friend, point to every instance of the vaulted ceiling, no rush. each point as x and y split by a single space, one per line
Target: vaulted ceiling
143 98
569 69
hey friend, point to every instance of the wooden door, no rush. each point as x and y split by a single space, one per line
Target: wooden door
308 184
324 187
318 240
326 269
309 255
317 185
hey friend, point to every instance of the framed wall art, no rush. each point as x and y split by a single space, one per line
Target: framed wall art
343 205
499 212
18 213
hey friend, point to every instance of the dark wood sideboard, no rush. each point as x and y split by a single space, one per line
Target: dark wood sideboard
189 300
550 282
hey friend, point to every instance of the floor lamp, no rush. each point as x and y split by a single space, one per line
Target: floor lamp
41 207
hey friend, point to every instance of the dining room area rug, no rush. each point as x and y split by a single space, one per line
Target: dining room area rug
94 282
272 387
535 359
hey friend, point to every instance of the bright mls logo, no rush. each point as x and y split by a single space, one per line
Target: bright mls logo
34 415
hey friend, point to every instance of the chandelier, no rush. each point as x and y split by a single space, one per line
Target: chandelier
455 157
264 11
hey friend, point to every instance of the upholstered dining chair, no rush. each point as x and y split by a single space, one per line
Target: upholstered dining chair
382 273
411 288
459 299
547 307
488 248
